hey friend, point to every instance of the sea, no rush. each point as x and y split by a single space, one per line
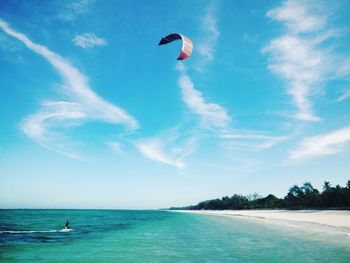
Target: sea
28 235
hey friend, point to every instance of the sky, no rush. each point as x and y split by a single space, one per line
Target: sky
94 114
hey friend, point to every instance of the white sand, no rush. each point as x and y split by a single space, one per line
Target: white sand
331 218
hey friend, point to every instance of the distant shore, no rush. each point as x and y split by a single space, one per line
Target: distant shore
339 219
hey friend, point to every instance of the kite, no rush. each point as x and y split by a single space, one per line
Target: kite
187 46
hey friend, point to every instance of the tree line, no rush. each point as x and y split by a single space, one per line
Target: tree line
298 197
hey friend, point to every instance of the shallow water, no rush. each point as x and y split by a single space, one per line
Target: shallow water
156 236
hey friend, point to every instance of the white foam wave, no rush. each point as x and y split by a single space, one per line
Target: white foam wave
35 231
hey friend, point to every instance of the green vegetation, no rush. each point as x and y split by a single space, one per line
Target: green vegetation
304 197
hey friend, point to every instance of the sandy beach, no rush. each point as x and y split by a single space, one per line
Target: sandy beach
339 219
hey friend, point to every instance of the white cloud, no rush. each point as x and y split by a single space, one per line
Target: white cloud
88 40
251 141
298 56
169 148
73 9
211 114
344 96
153 150
321 145
82 103
11 48
297 17
206 47
116 147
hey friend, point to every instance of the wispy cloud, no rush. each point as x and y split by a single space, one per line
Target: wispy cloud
116 147
300 56
206 47
211 114
12 48
321 145
82 103
73 9
251 141
168 148
344 96
297 16
88 40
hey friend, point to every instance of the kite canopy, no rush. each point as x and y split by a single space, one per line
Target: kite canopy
187 46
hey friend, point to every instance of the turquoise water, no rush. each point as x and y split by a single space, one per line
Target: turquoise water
155 236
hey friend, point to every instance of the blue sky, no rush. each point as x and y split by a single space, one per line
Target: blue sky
94 114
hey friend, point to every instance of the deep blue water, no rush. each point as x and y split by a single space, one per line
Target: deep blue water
156 236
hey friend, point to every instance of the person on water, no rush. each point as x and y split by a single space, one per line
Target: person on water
66 226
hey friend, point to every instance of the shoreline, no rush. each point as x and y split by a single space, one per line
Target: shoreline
338 220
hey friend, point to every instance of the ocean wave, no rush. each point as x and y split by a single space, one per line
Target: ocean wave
35 231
